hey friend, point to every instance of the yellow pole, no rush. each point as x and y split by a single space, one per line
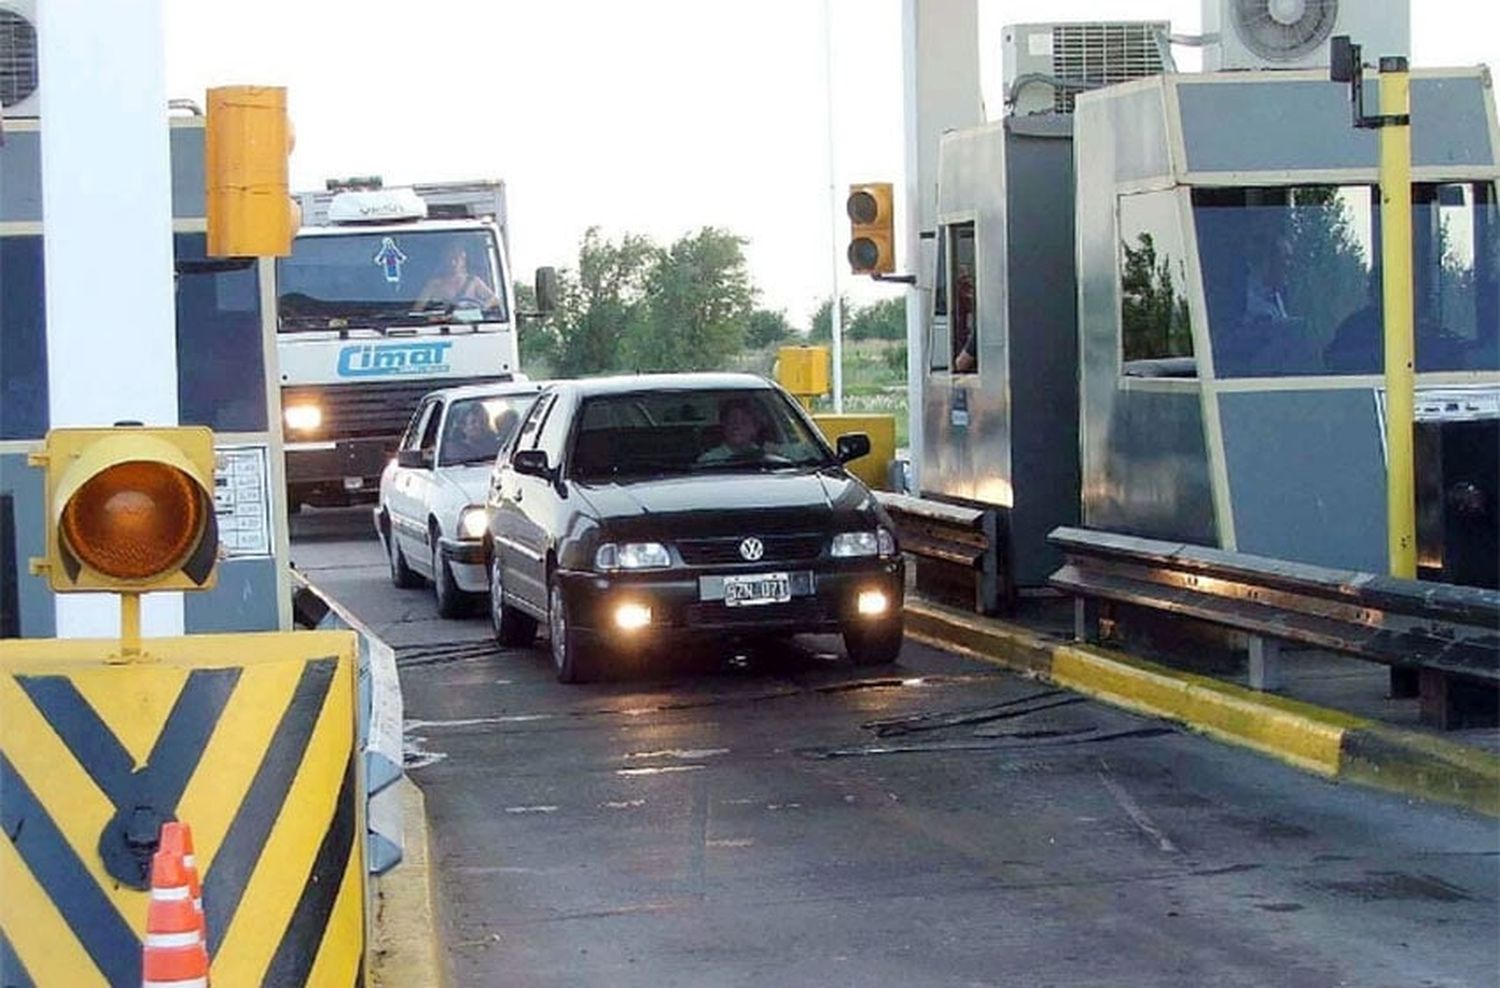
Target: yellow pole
130 626
1400 378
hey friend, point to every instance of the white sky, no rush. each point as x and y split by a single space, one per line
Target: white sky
648 116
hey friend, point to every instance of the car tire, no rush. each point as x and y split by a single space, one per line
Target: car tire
451 601
877 646
402 575
513 628
572 659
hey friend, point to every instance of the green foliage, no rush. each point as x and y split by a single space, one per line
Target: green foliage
766 328
1153 316
883 320
538 338
698 298
1330 274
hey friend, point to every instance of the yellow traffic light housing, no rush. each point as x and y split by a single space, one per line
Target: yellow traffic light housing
872 235
250 209
129 510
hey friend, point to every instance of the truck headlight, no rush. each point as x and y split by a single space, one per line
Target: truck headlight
472 522
632 555
848 545
303 418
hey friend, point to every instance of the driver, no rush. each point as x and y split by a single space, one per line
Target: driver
744 433
455 286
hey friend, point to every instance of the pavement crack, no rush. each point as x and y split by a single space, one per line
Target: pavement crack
932 721
995 744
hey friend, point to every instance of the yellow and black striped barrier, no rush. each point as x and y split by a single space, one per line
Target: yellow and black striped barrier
248 738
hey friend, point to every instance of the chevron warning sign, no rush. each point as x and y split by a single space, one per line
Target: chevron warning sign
249 738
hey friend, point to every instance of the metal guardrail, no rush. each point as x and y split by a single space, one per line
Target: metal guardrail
380 720
1449 634
957 550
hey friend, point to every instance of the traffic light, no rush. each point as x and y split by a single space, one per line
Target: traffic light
872 238
250 209
129 509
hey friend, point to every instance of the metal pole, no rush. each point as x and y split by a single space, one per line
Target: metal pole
835 312
1396 256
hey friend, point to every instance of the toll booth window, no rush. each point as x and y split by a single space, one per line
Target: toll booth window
221 380
23 339
1156 333
1292 278
964 298
373 280
939 345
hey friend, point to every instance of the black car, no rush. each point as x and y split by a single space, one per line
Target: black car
635 514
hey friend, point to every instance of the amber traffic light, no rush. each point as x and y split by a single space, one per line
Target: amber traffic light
130 509
249 137
872 224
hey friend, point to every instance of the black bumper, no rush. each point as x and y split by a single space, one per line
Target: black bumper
462 551
679 614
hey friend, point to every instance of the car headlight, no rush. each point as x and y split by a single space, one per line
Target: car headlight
303 418
886 541
472 522
848 545
632 555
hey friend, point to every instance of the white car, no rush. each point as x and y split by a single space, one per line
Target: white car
431 514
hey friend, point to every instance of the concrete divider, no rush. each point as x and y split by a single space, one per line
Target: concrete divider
1325 742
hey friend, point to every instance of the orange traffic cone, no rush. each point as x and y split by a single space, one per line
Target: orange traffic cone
175 955
177 837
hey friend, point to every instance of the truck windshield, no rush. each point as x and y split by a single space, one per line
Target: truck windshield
389 278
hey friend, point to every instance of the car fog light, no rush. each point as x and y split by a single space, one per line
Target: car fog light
872 602
632 617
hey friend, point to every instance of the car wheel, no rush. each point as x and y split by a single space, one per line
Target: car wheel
451 601
513 628
571 658
402 575
878 646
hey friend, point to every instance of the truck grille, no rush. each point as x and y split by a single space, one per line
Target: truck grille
353 411
779 549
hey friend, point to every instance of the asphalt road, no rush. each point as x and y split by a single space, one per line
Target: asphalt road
786 819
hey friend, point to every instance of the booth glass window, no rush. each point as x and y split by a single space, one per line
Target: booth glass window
963 298
1292 278
221 381
938 342
1156 332
23 339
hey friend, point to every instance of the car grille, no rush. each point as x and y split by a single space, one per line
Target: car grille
798 610
779 549
353 411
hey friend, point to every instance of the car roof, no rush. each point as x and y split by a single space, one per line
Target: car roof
491 389
633 383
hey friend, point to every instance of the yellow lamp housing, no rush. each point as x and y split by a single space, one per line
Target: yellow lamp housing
129 509
872 228
803 370
248 138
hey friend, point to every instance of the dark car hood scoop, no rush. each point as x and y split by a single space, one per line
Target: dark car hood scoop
724 503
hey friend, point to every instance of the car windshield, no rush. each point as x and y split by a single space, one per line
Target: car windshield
674 432
477 428
400 278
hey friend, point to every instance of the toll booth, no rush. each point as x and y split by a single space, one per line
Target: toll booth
1229 313
1000 395
225 347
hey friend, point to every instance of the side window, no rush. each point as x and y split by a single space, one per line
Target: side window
1156 336
428 444
414 427
526 438
554 430
938 341
964 296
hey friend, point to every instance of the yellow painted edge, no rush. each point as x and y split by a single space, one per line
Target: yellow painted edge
407 950
1307 737
46 946
341 954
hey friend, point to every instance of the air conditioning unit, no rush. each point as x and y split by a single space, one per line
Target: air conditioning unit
1046 65
1295 34
18 52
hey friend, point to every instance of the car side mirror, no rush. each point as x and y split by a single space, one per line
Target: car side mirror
413 459
546 290
531 463
853 445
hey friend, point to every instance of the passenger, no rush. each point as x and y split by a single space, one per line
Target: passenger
470 435
455 286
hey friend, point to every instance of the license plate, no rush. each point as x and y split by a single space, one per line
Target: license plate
763 588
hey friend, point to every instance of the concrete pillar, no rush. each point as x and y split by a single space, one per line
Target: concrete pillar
107 229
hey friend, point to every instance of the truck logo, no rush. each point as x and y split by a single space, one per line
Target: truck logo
370 360
390 259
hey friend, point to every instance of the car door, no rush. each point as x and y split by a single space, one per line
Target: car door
412 490
393 482
521 537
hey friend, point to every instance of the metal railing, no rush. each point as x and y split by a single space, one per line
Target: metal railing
1449 634
956 549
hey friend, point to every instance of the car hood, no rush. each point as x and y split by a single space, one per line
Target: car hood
470 482
730 503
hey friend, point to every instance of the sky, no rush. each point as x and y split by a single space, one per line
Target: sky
655 117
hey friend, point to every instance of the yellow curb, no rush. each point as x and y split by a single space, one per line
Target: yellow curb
407 951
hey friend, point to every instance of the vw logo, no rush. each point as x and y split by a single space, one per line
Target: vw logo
752 549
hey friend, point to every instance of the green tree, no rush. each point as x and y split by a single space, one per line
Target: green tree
1154 317
766 328
601 304
1329 272
538 339
821 330
698 299
883 320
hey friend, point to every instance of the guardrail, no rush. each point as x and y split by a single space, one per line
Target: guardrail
1449 634
380 720
956 549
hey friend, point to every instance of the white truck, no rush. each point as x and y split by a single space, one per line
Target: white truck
388 294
